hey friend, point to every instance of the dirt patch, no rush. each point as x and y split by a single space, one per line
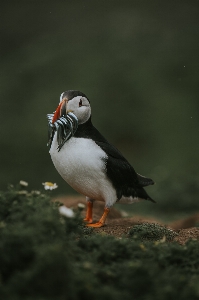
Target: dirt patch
186 234
119 226
189 222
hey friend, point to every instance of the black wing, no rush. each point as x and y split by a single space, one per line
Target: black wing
122 175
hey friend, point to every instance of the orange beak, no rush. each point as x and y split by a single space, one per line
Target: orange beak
61 110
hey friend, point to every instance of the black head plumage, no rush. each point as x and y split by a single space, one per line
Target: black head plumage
70 94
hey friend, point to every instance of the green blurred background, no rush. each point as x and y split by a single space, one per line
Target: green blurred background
138 63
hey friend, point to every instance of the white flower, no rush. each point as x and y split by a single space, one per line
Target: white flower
23 183
66 212
50 186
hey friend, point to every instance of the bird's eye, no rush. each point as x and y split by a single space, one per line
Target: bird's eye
80 103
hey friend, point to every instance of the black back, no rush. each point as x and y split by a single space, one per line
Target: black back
122 175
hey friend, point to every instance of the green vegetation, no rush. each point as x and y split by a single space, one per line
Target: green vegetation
152 232
45 255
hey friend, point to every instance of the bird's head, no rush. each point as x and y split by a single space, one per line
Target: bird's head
75 102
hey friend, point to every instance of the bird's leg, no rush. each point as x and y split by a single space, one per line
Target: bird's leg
89 211
102 220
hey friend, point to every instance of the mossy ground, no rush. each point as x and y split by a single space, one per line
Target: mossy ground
47 256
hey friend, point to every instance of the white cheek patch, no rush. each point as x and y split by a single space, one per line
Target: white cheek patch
81 112
73 104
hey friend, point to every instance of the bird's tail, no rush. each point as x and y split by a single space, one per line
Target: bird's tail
144 181
143 194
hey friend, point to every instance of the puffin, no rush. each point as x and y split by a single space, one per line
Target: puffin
88 162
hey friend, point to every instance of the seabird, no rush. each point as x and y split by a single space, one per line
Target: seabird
87 161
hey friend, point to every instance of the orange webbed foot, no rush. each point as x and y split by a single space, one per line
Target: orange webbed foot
102 220
95 225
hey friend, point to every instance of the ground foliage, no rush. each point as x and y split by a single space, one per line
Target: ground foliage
152 232
47 256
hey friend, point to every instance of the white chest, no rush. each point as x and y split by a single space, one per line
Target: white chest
81 163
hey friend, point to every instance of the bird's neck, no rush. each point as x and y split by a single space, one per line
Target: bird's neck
84 129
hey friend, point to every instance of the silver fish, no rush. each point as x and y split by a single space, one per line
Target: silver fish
65 126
